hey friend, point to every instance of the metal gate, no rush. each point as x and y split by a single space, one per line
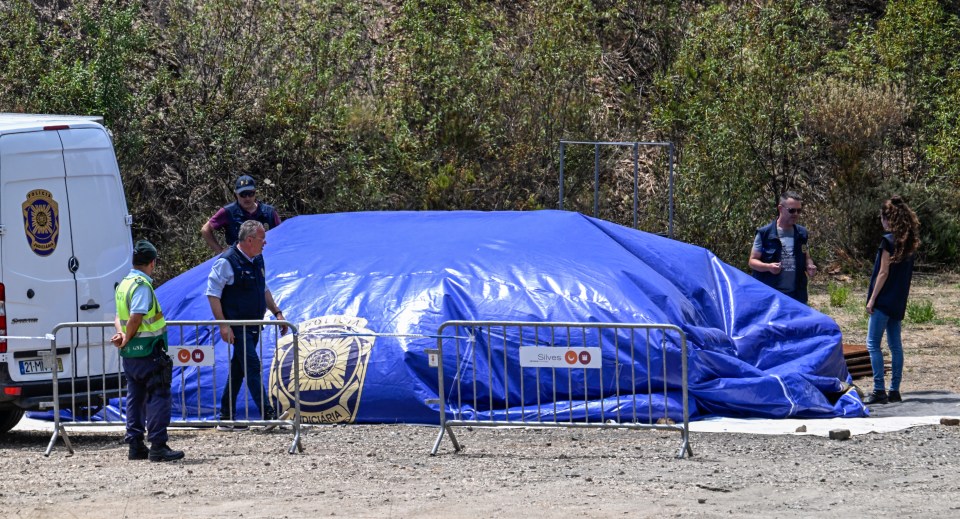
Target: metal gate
635 145
557 374
104 402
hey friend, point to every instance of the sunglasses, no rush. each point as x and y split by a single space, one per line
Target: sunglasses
794 210
247 194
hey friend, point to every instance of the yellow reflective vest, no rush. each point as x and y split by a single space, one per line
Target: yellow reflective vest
152 329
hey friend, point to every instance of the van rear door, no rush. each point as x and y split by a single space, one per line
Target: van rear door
101 237
53 213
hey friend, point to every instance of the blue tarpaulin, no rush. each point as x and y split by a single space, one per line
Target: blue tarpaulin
752 351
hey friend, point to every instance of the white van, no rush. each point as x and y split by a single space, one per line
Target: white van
64 245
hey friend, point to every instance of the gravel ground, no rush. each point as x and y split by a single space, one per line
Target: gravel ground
386 471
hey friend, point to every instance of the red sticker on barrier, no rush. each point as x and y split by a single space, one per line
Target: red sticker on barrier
570 357
190 355
584 357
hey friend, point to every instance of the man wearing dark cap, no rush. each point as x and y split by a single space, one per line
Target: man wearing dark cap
142 339
229 218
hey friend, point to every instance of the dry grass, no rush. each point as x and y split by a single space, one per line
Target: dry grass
931 350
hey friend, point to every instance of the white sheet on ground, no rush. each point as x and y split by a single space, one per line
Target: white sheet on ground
821 427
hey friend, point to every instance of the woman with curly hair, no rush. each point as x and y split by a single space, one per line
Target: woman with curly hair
887 295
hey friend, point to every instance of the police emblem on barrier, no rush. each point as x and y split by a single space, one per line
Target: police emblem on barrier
41 222
333 364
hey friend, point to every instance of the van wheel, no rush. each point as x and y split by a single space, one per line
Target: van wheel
9 418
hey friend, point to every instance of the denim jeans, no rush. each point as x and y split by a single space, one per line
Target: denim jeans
880 322
245 362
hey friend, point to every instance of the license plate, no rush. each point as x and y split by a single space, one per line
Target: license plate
33 367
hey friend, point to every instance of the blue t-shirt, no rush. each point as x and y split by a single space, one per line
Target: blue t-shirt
142 298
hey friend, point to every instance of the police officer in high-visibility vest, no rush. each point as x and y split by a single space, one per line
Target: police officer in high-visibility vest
142 339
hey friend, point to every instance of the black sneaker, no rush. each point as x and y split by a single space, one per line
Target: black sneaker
231 427
138 451
876 398
270 414
163 453
894 396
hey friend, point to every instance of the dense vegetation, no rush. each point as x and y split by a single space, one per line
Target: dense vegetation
347 105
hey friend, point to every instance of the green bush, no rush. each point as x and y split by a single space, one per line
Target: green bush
350 105
838 294
732 99
919 312
917 43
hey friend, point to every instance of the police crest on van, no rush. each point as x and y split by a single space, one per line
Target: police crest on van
41 222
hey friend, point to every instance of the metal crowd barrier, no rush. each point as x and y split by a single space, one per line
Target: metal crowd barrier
556 374
99 399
